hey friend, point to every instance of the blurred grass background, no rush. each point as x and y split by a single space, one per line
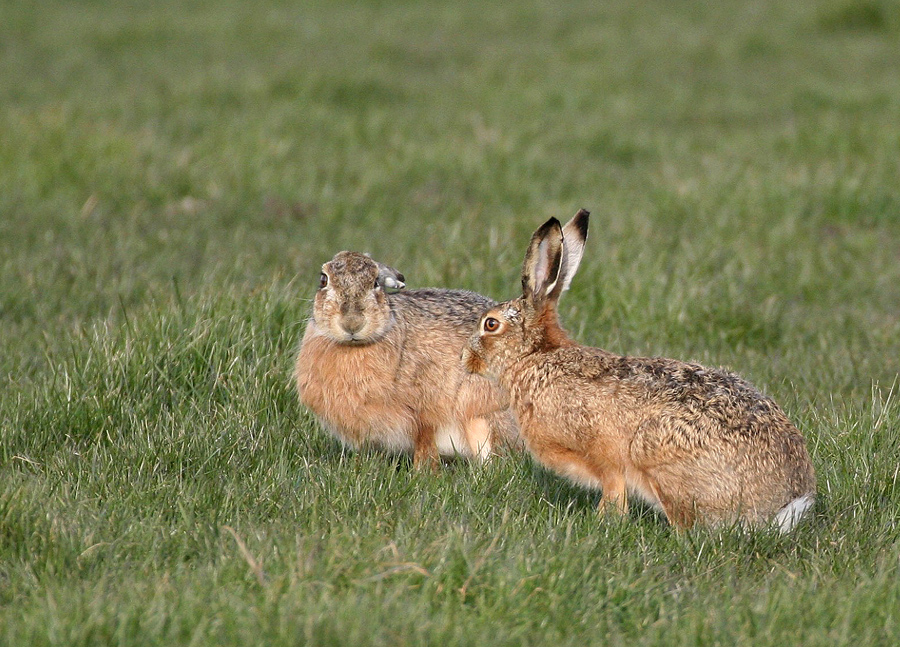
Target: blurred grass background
172 175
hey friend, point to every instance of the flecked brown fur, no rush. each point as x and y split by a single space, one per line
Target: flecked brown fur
701 444
383 369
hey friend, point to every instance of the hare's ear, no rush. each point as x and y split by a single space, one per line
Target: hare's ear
390 278
543 262
574 237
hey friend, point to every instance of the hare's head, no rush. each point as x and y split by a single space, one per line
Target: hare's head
351 306
529 324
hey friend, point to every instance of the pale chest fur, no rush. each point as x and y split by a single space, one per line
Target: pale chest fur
350 389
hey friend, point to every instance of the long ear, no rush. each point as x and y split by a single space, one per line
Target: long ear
543 262
574 237
388 277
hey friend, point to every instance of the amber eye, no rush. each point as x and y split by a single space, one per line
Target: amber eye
323 280
491 325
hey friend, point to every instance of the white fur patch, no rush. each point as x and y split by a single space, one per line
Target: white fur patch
451 441
550 287
580 475
788 517
397 440
510 313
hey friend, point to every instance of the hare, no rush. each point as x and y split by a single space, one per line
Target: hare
383 369
702 445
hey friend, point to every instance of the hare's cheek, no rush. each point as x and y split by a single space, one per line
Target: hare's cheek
320 312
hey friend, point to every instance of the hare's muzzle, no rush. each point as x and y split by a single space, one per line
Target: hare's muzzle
353 323
471 359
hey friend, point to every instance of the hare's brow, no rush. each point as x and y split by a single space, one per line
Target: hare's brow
511 313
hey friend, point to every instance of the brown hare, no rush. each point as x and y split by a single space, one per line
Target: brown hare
700 444
383 369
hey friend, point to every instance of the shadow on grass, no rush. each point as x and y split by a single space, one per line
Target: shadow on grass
563 494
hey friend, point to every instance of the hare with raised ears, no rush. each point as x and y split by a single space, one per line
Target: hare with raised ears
700 444
383 369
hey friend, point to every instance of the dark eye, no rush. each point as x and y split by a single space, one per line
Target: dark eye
323 280
491 325
377 285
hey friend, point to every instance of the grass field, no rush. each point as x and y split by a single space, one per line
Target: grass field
172 175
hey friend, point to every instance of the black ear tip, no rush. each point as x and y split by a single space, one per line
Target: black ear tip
547 227
581 221
550 223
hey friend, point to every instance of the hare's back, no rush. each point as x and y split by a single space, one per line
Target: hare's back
457 309
688 385
714 397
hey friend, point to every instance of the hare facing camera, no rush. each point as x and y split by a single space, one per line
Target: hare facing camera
702 445
383 369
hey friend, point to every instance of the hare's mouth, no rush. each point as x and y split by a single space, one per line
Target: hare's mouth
343 338
361 338
355 340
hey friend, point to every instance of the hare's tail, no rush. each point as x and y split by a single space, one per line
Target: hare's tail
788 517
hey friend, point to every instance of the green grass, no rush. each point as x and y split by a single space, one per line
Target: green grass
173 174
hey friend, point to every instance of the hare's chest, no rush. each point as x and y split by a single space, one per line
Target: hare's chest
354 375
350 389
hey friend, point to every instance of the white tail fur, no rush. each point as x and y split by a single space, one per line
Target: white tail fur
788 517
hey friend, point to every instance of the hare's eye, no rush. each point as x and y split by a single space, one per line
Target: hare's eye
377 285
323 280
491 325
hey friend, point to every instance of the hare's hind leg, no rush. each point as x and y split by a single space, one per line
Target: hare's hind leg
679 513
668 468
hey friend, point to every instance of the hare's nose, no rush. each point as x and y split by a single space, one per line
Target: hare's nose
353 323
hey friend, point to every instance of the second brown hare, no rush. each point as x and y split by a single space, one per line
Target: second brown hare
700 444
382 369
